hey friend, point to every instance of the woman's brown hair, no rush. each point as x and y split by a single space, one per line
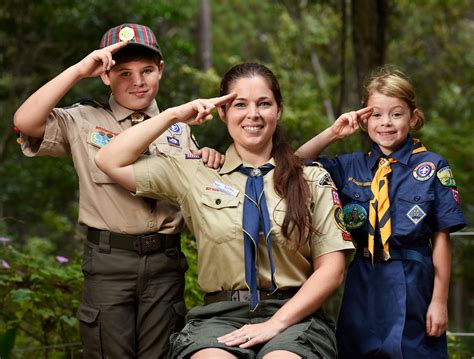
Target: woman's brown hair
288 179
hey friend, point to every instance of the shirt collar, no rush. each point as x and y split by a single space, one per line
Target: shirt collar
121 113
402 155
233 161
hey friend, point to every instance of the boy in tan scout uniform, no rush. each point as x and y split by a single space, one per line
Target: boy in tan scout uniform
133 266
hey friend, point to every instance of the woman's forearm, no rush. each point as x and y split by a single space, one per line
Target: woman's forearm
125 148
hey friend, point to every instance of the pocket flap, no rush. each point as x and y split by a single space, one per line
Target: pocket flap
219 201
417 197
87 314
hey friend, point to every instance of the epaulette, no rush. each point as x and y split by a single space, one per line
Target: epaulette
87 101
312 163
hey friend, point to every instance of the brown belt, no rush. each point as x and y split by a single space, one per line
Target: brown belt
243 295
142 244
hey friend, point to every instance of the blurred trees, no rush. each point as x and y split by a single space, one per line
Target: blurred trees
320 51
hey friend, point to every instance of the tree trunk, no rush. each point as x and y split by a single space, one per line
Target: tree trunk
369 27
205 35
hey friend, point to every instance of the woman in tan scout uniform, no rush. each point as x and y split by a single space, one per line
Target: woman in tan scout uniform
267 259
133 268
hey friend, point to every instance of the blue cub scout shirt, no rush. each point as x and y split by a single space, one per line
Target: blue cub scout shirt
384 307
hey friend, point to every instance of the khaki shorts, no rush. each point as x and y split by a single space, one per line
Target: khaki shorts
311 338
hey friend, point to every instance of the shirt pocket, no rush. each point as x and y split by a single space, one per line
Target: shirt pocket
96 174
411 210
220 217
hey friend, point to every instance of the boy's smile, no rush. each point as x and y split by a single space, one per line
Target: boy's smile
134 84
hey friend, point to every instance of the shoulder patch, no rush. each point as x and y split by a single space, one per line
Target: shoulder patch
445 176
326 181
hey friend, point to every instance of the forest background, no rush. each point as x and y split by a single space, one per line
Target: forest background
320 50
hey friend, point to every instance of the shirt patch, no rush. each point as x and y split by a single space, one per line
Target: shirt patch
354 215
225 188
100 137
175 129
358 183
335 198
172 141
424 171
346 236
326 181
445 176
190 156
339 219
416 214
456 195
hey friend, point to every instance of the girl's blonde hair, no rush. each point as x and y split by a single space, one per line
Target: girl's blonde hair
390 81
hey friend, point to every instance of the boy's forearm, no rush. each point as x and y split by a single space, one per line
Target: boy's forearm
313 148
31 116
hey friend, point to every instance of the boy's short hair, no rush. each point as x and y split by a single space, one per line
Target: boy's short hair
142 43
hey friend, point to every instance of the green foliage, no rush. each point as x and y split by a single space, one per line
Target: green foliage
39 296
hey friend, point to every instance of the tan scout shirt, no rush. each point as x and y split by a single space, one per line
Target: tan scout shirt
212 205
79 131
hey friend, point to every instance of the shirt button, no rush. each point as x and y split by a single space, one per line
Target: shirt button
417 198
218 201
356 195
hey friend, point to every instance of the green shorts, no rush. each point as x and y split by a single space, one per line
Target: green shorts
311 338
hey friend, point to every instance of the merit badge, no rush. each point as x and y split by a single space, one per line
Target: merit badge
354 215
173 141
175 129
445 176
416 214
456 195
339 219
100 137
326 181
335 197
424 171
126 34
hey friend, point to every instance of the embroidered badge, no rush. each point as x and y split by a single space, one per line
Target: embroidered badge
190 156
339 219
172 141
335 197
175 129
424 171
416 214
346 236
445 176
326 181
354 215
359 183
100 137
456 195
126 34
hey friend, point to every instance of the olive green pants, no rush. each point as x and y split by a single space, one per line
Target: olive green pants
131 304
311 338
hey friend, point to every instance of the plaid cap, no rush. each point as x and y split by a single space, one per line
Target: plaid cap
135 33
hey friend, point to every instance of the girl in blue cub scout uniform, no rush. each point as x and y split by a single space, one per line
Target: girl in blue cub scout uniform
274 311
395 298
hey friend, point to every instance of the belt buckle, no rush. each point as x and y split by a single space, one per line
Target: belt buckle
147 243
242 295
